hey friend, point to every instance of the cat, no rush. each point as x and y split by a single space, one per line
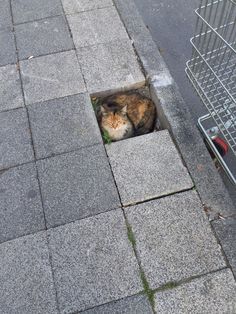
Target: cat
126 114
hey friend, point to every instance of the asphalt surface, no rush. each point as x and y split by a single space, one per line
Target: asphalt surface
172 24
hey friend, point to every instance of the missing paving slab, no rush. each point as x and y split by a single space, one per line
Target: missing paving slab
125 114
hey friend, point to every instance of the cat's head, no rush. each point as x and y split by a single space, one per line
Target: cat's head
113 118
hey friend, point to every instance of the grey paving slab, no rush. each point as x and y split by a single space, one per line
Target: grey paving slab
62 125
93 262
174 239
43 37
21 210
132 305
26 277
5 14
77 185
226 233
94 27
111 66
10 88
147 167
15 140
8 49
51 76
30 10
74 6
214 293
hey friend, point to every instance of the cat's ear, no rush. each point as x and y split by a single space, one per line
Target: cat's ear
124 110
103 110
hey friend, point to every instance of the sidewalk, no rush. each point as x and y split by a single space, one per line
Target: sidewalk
87 227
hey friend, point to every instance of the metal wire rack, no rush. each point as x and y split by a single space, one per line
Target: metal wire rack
211 70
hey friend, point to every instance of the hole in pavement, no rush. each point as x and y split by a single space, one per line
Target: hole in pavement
126 114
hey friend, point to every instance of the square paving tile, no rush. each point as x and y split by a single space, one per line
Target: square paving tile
94 27
8 49
25 276
93 262
62 125
15 140
74 6
138 304
30 10
215 293
147 167
77 185
51 76
43 37
111 66
10 88
21 210
174 239
5 15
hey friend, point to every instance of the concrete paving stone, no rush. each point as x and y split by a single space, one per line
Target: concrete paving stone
138 304
15 140
74 6
26 277
43 37
174 239
62 125
10 88
5 15
94 27
30 10
147 167
51 76
8 49
77 185
214 293
93 262
21 210
110 67
226 233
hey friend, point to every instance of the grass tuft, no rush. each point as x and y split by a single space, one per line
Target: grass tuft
106 137
168 285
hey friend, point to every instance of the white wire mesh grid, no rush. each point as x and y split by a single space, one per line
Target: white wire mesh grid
212 68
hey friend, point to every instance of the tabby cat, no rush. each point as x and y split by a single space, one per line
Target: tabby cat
126 114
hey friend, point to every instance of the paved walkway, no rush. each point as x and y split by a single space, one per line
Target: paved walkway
88 228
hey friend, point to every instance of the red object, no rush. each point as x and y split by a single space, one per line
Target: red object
221 145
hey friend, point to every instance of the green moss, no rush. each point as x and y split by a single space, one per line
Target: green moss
96 103
131 235
168 285
147 290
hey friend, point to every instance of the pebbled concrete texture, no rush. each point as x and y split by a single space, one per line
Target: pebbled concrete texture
51 76
74 6
94 27
62 125
43 37
138 304
30 10
214 293
174 240
226 232
5 15
25 276
147 167
110 67
21 210
93 262
8 49
15 140
10 88
77 185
